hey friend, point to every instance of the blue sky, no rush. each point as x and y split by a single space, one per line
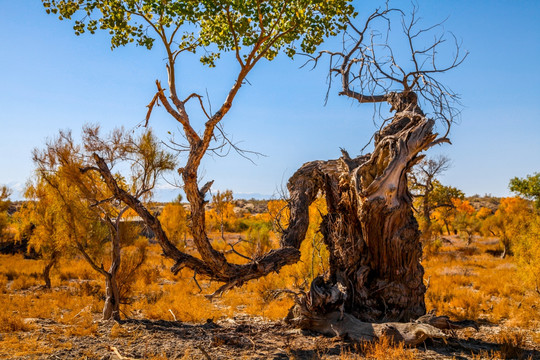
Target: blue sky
52 79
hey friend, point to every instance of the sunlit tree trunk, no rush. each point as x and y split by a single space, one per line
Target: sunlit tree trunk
111 309
47 269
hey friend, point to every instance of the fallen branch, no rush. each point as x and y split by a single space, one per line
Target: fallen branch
117 353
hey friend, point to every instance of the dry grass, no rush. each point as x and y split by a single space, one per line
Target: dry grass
473 285
13 346
3 283
465 283
479 286
382 349
511 344
12 322
13 266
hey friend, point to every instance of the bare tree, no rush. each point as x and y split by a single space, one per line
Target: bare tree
372 236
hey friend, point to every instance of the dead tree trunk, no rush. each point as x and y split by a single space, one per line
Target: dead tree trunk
375 284
370 231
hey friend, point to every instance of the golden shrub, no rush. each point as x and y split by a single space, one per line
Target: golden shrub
13 322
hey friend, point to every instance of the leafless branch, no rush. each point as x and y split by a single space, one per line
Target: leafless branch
370 71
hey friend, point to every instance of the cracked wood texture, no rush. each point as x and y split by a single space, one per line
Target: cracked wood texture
370 231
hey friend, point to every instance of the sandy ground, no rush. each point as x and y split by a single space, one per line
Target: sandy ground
245 338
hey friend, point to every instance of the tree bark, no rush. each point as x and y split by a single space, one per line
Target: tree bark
111 309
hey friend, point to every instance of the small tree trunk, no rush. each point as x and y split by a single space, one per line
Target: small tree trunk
111 309
506 247
222 233
426 212
47 270
447 227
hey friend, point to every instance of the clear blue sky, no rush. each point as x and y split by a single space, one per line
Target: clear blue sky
52 79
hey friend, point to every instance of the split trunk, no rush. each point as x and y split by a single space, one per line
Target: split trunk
370 231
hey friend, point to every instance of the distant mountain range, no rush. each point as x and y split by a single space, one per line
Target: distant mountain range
169 194
164 193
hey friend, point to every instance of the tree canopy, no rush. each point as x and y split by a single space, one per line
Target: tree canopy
528 187
5 192
230 25
250 31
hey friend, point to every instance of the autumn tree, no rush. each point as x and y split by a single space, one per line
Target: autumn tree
526 248
465 220
423 183
528 187
92 217
42 220
223 207
509 221
174 220
252 31
443 198
5 193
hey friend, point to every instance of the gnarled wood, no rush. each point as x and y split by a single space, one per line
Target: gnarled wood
231 274
370 231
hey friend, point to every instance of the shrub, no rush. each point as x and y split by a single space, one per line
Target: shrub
12 322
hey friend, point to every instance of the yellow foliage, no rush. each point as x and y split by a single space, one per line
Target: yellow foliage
181 301
483 213
509 221
463 206
527 251
173 218
221 217
3 283
23 282
279 211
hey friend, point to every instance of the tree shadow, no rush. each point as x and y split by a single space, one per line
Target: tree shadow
465 348
240 336
175 327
